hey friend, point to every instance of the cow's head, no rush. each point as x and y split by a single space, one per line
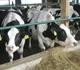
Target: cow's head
63 35
13 39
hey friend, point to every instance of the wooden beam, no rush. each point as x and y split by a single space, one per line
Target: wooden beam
65 10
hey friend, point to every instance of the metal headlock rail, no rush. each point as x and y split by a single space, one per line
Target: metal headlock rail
37 23
26 5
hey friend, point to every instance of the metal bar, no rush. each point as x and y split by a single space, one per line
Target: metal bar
65 10
37 23
28 4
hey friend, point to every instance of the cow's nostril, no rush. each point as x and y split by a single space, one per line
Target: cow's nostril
12 47
75 44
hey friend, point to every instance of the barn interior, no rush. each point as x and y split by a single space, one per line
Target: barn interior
55 59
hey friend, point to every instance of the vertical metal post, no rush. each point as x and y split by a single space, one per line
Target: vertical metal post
9 2
46 3
73 1
65 10
18 2
77 1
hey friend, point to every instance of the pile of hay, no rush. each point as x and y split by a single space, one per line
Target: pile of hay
56 59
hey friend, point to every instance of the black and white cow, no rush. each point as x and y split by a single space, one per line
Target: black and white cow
13 38
76 22
75 13
46 34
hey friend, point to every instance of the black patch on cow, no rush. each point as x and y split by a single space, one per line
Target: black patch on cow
4 35
61 34
43 7
5 32
76 7
48 33
2 15
12 23
77 36
58 11
24 11
75 22
18 39
35 26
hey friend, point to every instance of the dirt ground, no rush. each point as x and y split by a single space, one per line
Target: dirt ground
56 59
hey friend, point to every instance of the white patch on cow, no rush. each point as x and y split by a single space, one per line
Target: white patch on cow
44 16
20 51
76 13
40 16
10 46
33 14
12 34
12 17
0 38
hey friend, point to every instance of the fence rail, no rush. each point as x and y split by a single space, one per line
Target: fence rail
51 4
37 23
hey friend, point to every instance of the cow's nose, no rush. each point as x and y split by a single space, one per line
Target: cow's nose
10 48
75 44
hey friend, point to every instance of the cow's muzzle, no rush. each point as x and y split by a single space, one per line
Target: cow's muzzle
11 48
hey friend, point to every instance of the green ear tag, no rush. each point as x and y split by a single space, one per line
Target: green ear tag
55 33
26 37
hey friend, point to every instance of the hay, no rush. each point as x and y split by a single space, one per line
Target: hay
56 59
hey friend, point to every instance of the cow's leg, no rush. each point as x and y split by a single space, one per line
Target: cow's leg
8 50
44 40
30 43
48 42
52 43
21 49
41 44
11 55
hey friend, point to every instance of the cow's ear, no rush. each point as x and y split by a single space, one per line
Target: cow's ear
0 37
55 33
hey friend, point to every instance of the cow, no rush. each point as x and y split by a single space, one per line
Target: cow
76 22
46 34
75 13
13 38
77 35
